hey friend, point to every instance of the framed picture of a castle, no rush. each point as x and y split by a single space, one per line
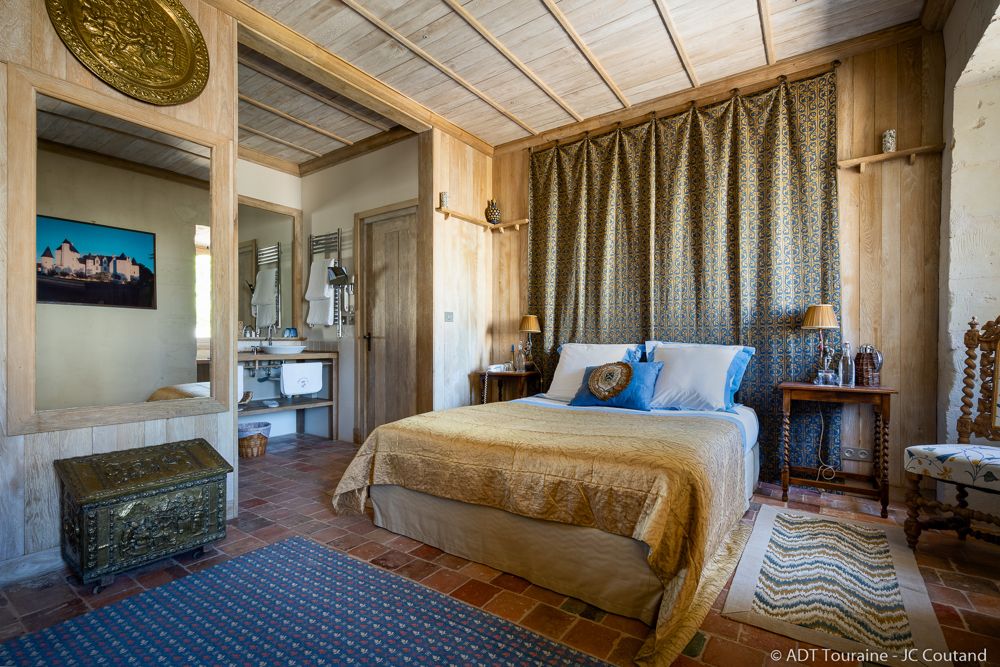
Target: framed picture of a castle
90 264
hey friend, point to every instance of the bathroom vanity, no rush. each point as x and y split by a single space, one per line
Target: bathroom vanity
299 404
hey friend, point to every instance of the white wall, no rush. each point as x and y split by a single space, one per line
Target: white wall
260 182
94 355
970 203
330 198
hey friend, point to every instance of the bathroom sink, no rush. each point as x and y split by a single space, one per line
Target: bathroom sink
282 348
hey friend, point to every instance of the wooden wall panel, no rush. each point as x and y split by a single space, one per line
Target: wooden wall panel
28 496
510 253
462 269
889 217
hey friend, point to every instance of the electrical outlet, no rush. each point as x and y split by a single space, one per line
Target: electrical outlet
449 316
855 454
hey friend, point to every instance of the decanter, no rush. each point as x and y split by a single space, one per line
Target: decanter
519 360
846 366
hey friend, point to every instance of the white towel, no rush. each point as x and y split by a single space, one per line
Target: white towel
304 378
264 302
319 286
320 313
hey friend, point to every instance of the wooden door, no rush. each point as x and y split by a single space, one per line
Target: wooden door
390 318
247 276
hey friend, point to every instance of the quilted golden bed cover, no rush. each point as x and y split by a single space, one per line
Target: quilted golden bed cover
672 482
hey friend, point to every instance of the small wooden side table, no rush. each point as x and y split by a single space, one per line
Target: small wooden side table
523 382
875 485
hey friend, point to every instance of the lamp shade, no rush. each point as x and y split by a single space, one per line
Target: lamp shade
529 324
820 316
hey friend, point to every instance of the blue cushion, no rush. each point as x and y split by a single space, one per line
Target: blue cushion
736 371
636 395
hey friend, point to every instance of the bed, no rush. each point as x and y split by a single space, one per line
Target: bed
188 390
619 508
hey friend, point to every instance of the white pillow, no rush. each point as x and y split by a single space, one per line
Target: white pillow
574 358
694 377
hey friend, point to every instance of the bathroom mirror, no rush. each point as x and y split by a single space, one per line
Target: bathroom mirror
269 274
115 237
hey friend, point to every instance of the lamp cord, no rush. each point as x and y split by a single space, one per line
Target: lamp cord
825 470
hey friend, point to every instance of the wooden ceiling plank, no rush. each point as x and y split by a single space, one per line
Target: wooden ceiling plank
294 119
434 62
296 86
514 60
796 67
675 39
291 49
366 145
578 41
265 160
935 14
279 140
124 133
764 11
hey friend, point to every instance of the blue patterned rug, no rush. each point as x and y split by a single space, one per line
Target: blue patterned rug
291 603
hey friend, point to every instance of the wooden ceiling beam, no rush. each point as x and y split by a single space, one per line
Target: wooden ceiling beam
935 14
675 39
366 145
265 160
434 62
797 67
764 13
291 49
278 140
299 88
294 119
509 55
558 15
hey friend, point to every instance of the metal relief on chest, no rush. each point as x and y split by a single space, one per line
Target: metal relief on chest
128 508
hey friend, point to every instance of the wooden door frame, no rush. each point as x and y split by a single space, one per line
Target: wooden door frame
298 254
361 309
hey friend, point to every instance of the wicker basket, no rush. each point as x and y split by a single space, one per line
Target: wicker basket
866 370
253 439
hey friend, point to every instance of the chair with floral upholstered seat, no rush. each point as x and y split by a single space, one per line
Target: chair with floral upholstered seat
966 466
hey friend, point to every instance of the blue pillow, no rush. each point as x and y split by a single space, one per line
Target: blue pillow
635 396
736 371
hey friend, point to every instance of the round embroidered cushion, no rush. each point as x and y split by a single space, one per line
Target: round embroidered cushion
609 380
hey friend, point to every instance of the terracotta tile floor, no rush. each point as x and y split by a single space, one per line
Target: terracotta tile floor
284 493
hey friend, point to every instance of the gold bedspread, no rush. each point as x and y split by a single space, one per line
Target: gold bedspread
674 483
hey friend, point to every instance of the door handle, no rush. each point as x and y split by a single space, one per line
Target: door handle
368 340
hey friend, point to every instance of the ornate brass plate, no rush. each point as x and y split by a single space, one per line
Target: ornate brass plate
151 50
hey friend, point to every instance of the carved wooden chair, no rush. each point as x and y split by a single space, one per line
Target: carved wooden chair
964 465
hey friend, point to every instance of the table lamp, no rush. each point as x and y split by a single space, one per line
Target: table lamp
529 325
821 316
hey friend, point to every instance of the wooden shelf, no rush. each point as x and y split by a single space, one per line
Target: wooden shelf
516 224
463 216
910 153
300 356
499 227
284 404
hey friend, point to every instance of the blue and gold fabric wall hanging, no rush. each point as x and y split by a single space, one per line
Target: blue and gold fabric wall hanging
716 225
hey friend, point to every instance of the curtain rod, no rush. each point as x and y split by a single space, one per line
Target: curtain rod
693 103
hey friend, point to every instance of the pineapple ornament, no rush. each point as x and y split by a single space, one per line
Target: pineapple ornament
492 212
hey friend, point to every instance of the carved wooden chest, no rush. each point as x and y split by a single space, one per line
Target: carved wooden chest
124 509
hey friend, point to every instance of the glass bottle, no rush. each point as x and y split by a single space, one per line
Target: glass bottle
846 366
519 361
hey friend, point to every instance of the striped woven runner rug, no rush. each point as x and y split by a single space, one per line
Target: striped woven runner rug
851 587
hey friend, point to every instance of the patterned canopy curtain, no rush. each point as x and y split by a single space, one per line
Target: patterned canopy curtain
716 225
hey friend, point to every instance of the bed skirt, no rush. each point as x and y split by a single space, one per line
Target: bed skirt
606 570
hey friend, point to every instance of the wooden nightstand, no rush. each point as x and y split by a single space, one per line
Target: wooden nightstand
510 384
875 485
